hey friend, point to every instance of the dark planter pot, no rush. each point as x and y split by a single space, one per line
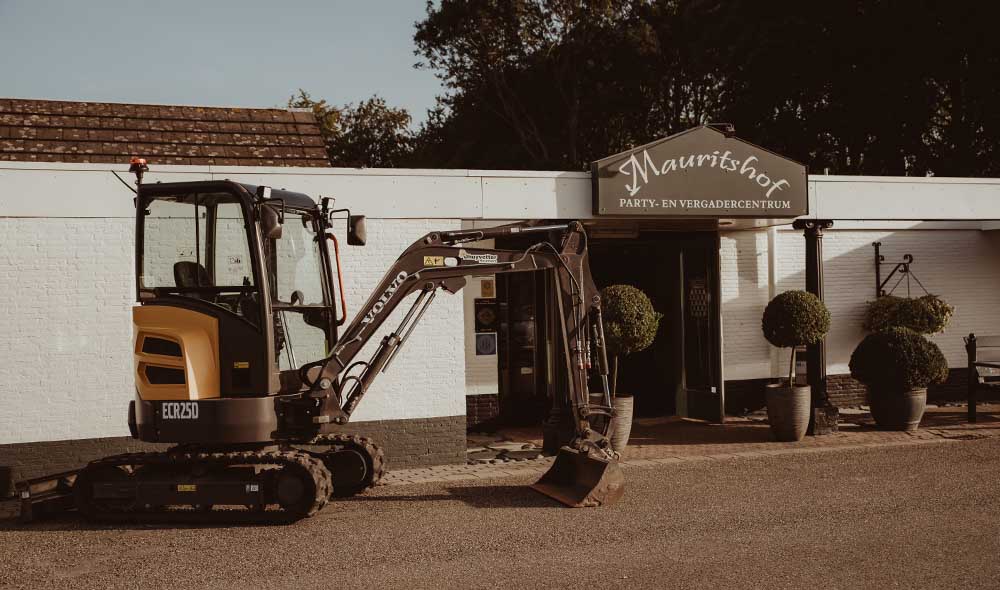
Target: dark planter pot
788 411
621 424
897 411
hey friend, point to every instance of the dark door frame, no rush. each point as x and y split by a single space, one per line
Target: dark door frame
716 381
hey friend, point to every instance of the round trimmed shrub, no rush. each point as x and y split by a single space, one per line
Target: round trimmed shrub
630 322
925 315
898 360
794 318
883 313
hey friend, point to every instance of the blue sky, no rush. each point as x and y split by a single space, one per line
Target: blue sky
249 53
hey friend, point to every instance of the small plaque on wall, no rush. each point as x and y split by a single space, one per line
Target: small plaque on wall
486 344
486 315
488 288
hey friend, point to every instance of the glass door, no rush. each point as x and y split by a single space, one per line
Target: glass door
701 395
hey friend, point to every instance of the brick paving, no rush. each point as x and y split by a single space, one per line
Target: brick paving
664 441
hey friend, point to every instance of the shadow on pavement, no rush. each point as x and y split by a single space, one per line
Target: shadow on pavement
676 431
72 522
686 432
950 418
494 496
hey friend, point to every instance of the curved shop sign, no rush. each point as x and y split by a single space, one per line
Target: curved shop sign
702 172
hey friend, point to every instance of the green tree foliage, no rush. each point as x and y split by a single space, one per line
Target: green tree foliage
897 360
850 86
372 135
369 135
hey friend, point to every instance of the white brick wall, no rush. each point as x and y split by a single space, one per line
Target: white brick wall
427 377
958 265
66 332
744 285
65 328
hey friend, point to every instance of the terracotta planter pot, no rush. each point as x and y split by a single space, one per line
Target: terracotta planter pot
788 411
621 424
897 411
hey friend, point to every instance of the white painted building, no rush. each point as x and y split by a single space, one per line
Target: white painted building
67 273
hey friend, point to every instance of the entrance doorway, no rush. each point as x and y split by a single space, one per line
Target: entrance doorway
679 374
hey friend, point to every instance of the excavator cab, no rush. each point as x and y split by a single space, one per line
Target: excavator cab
235 291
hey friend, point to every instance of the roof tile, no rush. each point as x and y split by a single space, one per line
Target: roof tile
238 115
75 108
75 134
101 134
307 129
312 140
125 135
264 116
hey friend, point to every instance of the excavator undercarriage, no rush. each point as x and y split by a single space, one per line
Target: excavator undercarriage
252 382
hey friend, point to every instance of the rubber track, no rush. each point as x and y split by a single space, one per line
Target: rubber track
320 475
361 443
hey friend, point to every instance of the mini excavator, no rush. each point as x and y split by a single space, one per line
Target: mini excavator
240 363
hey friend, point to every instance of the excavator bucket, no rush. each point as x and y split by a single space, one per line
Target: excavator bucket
580 480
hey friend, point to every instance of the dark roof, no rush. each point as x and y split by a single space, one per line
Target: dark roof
60 131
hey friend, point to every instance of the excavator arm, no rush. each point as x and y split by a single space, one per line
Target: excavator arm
441 261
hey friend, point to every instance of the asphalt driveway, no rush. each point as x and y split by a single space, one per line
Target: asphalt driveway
924 516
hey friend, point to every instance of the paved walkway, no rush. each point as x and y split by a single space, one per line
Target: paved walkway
661 441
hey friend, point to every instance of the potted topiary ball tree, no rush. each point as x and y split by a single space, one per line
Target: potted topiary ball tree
792 319
630 325
897 365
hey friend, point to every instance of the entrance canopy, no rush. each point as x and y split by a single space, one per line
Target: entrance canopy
702 172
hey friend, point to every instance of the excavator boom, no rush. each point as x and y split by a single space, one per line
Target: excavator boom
585 472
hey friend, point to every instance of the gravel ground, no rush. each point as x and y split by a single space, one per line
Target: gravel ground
925 516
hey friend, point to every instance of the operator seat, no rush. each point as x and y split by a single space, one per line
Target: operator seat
191 274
